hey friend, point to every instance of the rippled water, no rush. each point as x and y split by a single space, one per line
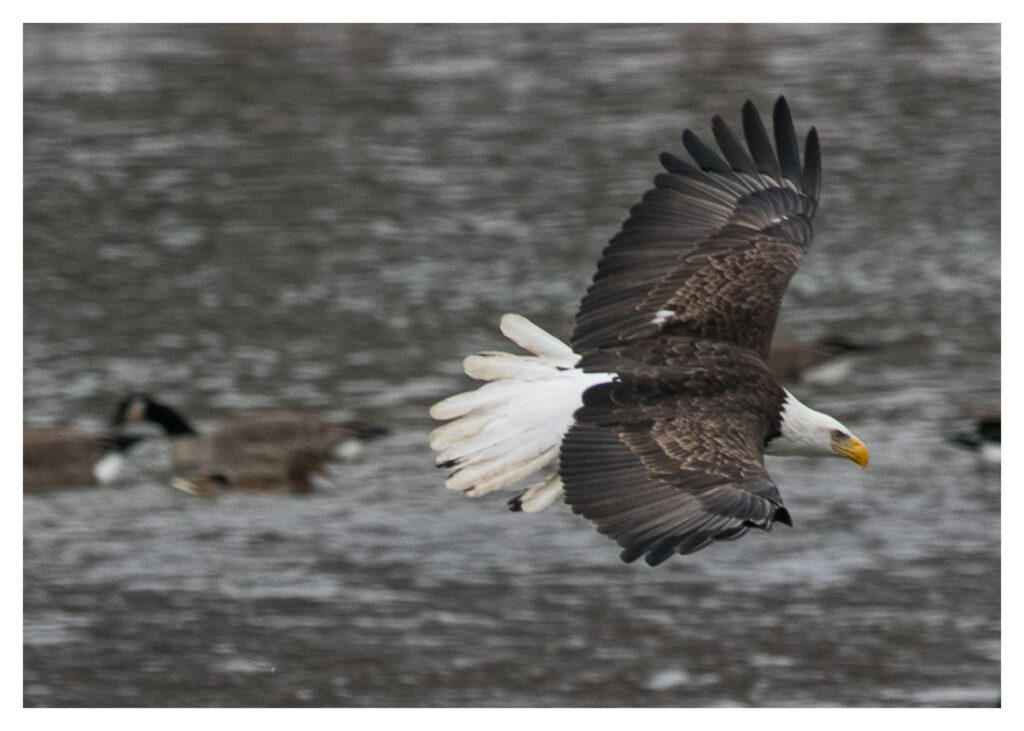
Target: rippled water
330 217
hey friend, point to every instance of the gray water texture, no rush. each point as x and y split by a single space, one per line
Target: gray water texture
330 217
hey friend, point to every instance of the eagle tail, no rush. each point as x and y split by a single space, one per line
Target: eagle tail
512 426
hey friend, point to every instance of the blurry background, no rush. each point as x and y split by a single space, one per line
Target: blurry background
330 217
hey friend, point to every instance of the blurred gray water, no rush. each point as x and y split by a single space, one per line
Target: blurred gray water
330 217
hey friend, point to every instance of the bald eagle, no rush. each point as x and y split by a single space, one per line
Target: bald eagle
654 420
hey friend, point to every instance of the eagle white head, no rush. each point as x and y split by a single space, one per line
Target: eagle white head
809 433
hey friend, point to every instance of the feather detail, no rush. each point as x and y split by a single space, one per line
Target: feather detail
539 495
512 426
529 337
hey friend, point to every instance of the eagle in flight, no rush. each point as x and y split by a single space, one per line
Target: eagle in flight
653 421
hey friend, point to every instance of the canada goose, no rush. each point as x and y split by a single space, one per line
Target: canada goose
824 360
259 478
985 438
268 439
67 458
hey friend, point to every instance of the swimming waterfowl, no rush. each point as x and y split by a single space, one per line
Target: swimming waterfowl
984 437
258 478
268 439
56 458
827 360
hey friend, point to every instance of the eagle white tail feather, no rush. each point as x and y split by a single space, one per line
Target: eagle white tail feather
494 365
529 337
539 495
512 426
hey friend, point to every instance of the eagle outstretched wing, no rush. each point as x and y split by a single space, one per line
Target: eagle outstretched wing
710 249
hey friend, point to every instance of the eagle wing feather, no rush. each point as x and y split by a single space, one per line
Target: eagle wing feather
710 250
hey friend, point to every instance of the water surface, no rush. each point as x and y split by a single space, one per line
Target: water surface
330 217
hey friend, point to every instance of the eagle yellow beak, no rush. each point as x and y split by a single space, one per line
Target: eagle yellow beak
854 450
